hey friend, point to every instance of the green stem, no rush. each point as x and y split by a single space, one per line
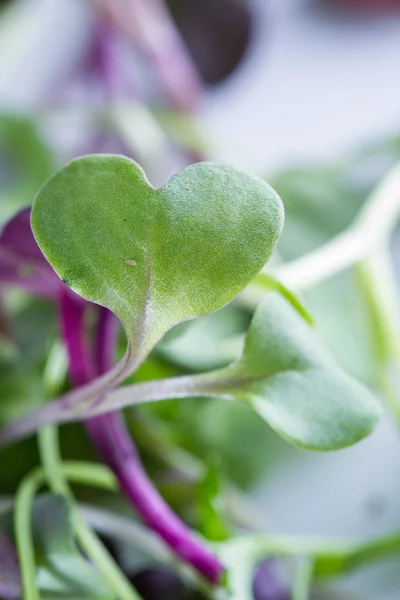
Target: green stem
87 473
335 256
51 461
303 579
372 228
23 533
52 464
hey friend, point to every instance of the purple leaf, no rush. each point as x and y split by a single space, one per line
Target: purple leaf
22 263
10 581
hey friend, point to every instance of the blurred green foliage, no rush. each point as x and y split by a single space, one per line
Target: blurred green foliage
25 163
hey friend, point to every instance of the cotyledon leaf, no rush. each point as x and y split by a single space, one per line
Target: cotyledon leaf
155 257
287 375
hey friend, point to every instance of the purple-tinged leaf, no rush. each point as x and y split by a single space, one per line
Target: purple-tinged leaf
22 263
10 580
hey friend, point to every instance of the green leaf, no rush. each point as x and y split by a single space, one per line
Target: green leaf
63 571
155 257
287 375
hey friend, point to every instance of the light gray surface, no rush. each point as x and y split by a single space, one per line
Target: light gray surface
312 87
40 41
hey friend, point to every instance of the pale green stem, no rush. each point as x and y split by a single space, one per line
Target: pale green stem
381 291
303 579
52 464
380 214
23 533
371 229
335 256
88 474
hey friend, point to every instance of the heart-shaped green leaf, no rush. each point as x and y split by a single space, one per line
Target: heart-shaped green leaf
155 257
287 375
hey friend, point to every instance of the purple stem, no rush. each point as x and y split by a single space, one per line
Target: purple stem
108 61
114 444
110 436
150 25
81 366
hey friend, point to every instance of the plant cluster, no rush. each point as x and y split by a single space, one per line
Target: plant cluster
148 321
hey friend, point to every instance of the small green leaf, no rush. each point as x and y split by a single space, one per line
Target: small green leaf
290 379
155 257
